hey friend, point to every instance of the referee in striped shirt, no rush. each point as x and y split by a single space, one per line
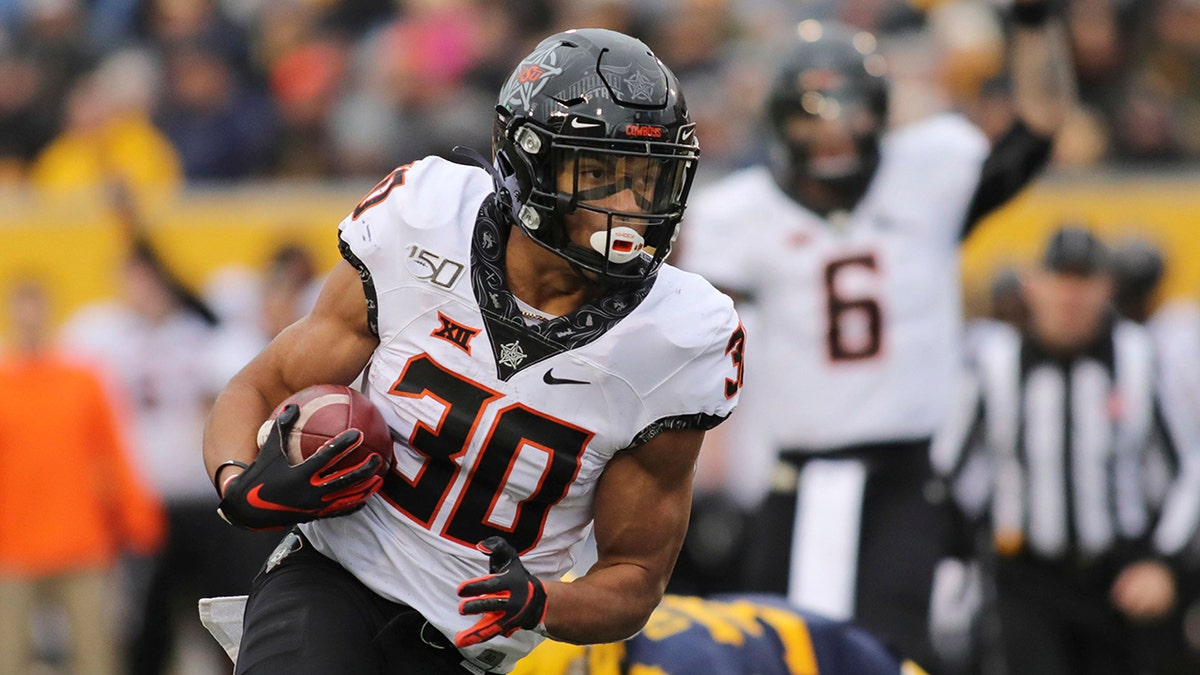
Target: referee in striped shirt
1080 467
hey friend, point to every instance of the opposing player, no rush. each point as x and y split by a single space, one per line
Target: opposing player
543 373
848 247
730 635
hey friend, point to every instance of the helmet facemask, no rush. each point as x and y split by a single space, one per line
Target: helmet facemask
637 189
830 87
616 156
845 171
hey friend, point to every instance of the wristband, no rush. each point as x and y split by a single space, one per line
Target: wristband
217 484
1031 14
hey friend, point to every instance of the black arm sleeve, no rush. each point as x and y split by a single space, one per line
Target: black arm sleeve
1015 159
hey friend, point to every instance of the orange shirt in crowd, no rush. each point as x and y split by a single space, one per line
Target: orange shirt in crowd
70 497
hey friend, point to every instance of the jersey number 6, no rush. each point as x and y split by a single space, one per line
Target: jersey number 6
516 428
845 345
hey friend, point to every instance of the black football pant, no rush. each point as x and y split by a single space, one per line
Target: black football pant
1056 619
902 535
308 616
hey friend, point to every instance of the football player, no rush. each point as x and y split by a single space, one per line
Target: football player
1137 267
543 372
847 244
729 635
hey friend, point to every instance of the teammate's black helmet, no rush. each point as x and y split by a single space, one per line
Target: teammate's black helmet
831 72
595 99
1137 267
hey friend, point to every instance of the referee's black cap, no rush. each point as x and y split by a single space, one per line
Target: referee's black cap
1073 249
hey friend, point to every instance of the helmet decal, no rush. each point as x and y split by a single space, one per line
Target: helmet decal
639 87
531 76
645 131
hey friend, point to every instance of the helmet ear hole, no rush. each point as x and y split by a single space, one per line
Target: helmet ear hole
529 218
528 140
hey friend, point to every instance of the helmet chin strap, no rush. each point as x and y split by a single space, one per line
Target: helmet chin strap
473 155
626 243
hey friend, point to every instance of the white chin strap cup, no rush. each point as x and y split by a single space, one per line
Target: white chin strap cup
626 244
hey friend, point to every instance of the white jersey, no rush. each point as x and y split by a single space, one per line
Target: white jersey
859 318
501 428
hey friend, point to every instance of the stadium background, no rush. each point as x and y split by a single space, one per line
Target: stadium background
324 97
1128 165
203 231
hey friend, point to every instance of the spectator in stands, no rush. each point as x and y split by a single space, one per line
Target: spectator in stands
1136 62
305 81
1173 55
222 128
215 107
108 133
42 52
168 25
71 498
24 125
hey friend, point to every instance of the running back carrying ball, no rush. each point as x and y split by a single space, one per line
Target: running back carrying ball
322 453
327 410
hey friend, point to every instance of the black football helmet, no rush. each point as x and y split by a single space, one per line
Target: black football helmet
588 114
831 72
1138 267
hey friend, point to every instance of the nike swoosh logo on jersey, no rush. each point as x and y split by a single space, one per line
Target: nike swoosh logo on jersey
253 499
549 378
580 124
687 133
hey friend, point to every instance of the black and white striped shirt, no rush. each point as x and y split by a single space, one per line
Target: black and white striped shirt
1078 457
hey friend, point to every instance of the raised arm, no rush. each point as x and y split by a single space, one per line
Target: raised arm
331 344
1042 73
1044 94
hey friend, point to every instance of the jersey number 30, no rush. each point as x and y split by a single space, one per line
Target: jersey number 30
516 429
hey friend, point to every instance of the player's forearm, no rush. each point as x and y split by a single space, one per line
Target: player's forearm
1042 72
642 505
231 428
605 605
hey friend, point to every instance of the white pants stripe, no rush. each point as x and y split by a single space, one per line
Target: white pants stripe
824 559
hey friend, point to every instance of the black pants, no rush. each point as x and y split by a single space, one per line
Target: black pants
902 536
308 615
1056 619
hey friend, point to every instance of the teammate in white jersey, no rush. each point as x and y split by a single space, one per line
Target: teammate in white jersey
543 373
847 246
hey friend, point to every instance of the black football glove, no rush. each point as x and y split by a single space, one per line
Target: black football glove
510 598
272 494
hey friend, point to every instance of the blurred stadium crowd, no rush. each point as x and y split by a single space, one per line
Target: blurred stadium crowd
171 91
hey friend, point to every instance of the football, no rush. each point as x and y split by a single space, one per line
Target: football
327 410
